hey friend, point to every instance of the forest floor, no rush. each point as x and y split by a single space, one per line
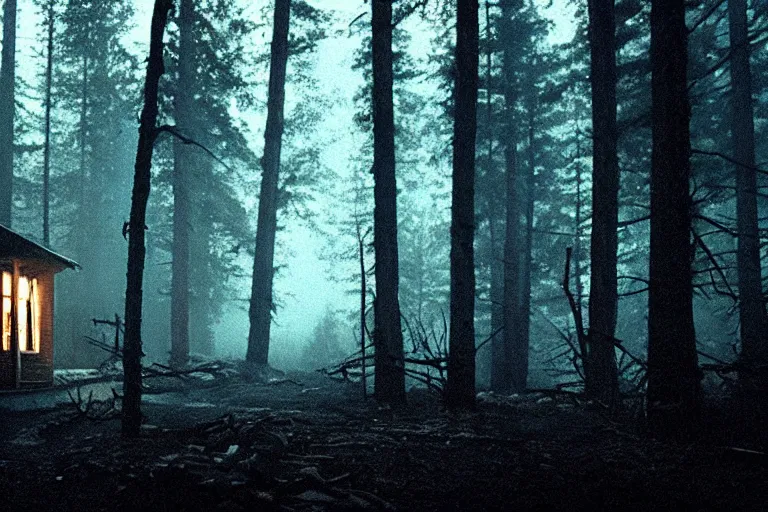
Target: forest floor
310 443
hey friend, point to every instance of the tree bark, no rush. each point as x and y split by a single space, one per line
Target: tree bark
752 316
526 263
512 379
203 301
86 220
497 268
578 230
83 135
673 380
515 363
389 376
363 303
47 146
460 388
132 350
182 163
7 110
260 312
601 374
498 360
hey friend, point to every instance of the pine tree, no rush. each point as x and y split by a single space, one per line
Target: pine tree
752 315
48 105
182 165
673 380
92 83
387 335
260 313
200 193
460 392
7 110
600 359
148 131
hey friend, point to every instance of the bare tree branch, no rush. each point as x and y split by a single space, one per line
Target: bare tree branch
167 128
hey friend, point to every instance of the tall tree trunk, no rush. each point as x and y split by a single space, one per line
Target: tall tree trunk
260 313
673 381
203 304
389 381
180 257
47 143
511 381
601 377
182 164
363 303
7 109
515 362
460 389
497 359
527 243
86 223
83 136
132 350
577 252
752 317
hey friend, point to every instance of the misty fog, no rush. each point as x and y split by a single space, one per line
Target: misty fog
323 255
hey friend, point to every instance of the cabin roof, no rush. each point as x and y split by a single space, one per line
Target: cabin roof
16 246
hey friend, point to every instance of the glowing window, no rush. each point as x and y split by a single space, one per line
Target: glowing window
27 315
35 313
6 311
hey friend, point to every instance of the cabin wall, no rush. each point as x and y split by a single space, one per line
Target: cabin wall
6 369
36 369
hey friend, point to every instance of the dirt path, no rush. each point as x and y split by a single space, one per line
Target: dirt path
316 445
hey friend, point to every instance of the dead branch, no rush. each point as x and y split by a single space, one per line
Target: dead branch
406 12
714 262
625 223
433 383
575 311
489 338
729 159
167 128
160 370
94 410
706 15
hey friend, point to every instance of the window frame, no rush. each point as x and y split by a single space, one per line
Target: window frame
31 312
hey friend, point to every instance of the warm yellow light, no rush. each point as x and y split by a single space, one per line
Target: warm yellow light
6 323
35 298
23 288
6 293
21 315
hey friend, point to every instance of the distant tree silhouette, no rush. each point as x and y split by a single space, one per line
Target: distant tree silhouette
752 316
182 167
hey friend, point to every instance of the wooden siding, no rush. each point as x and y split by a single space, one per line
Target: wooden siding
6 369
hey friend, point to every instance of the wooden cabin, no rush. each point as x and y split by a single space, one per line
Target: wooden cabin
26 349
